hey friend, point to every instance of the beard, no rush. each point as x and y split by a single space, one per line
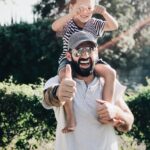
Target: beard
85 72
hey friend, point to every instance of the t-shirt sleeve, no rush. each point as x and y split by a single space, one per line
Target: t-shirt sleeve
50 83
119 91
95 26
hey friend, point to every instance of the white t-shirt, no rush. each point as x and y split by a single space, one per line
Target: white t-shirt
89 134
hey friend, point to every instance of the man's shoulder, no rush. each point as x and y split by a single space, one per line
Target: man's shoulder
119 88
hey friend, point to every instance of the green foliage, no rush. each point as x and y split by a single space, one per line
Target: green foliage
139 104
24 122
130 143
22 117
28 51
45 8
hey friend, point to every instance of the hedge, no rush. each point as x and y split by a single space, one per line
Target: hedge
23 118
29 51
139 104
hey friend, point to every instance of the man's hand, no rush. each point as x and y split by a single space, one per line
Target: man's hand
106 112
99 9
67 87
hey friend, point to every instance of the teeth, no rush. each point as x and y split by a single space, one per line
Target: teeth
84 62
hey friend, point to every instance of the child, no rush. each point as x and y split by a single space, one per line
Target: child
80 18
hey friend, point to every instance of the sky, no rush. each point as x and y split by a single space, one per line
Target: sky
16 9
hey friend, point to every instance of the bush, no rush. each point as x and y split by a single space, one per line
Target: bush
28 51
25 124
22 117
140 106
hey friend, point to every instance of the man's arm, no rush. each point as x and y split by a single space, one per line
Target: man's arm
50 98
123 113
119 114
57 95
110 21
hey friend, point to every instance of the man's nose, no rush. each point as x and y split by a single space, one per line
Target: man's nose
84 53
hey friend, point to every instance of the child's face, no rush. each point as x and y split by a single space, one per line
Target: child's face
87 7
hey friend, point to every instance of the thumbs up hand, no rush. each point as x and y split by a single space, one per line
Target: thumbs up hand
68 73
67 87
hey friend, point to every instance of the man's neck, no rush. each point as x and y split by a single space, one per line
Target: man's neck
87 80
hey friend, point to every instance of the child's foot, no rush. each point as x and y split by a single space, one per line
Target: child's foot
70 127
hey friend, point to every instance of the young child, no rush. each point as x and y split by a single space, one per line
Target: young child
80 18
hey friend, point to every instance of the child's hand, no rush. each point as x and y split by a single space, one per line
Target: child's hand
99 9
80 9
77 10
120 125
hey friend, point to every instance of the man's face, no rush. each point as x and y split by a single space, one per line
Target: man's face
83 58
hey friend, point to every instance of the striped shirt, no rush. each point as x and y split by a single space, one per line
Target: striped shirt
94 26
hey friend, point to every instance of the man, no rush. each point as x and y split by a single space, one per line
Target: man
95 118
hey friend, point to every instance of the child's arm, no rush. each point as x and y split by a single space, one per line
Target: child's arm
110 22
58 25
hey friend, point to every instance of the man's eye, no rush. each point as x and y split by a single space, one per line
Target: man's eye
77 54
89 49
80 49
89 8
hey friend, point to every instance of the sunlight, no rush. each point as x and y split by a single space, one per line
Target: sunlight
19 10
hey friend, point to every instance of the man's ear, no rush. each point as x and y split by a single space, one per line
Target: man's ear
68 56
70 7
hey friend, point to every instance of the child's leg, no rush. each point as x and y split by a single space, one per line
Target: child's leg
109 75
70 118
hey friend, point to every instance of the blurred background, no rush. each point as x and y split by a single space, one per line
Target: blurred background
29 51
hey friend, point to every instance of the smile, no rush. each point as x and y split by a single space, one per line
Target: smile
84 63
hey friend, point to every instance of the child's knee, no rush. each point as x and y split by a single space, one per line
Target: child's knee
105 71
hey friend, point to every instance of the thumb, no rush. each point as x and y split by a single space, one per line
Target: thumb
68 73
117 122
100 101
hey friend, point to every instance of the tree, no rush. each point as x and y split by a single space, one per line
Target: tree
134 29
122 47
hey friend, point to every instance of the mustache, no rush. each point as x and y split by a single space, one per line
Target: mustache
84 59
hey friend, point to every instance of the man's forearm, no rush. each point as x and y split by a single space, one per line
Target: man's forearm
50 97
126 117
